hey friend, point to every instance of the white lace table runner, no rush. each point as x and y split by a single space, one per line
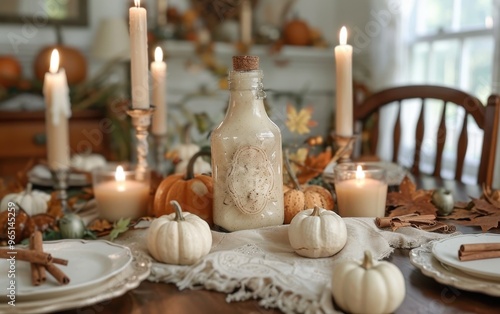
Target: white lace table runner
260 264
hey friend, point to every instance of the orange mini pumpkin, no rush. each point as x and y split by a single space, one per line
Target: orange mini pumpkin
194 193
302 197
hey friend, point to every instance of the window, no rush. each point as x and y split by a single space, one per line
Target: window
451 43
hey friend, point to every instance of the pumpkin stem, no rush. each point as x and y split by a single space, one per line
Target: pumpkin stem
178 211
315 211
29 187
290 172
190 166
367 260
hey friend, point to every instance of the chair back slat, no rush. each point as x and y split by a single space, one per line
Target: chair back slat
373 140
487 118
440 141
396 135
419 138
490 139
463 141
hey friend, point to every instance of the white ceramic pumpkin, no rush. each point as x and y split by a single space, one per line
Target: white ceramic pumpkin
32 201
185 152
179 238
368 287
87 162
317 233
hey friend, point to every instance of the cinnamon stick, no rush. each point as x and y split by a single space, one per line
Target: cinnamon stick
35 271
38 247
477 255
27 255
58 274
475 247
60 261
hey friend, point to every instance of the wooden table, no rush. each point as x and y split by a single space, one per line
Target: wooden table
423 295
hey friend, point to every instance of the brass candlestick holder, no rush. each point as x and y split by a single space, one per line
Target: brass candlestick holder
60 179
344 147
160 148
141 119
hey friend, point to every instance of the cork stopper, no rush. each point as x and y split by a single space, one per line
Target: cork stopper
245 63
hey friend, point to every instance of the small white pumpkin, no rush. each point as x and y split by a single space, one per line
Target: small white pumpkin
185 152
179 238
368 287
317 233
87 162
32 201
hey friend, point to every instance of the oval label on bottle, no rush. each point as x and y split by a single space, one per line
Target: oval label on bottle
250 179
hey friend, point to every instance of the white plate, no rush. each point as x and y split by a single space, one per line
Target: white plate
40 175
89 263
423 259
446 251
113 287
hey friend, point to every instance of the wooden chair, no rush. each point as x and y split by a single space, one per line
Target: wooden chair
486 117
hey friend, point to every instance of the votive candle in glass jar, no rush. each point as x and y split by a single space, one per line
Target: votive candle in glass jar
361 190
119 193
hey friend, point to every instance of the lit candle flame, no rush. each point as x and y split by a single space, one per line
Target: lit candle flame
343 35
120 178
54 61
158 54
359 173
137 3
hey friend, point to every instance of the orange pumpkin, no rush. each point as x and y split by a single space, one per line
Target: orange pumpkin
10 71
296 32
302 197
194 193
305 197
71 59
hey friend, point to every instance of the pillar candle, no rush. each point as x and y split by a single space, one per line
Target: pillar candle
246 22
159 73
343 63
122 197
361 196
57 113
139 56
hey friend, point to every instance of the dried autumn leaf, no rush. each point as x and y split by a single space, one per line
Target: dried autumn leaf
486 222
99 225
410 200
313 166
461 214
483 212
483 207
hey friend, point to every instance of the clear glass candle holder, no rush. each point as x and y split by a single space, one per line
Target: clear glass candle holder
120 193
361 190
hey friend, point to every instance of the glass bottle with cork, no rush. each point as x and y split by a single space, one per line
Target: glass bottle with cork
247 155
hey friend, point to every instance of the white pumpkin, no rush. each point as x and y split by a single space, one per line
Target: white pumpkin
179 238
32 201
368 287
185 152
87 162
317 233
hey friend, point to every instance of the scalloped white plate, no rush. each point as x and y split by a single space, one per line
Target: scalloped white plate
89 263
128 279
423 259
446 251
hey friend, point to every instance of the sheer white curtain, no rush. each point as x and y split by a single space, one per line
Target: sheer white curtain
496 81
385 59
